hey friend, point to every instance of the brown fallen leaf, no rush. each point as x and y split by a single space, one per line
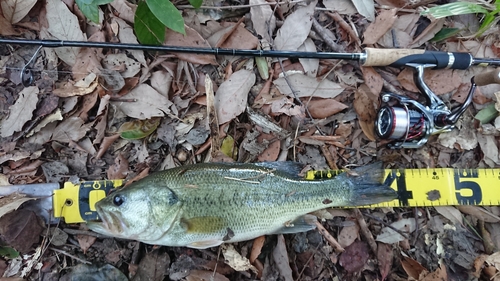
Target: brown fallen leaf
68 89
6 28
85 242
479 212
306 86
384 256
348 235
263 19
21 112
87 60
438 275
258 243
119 169
440 82
412 267
15 10
280 256
124 9
383 23
295 28
204 275
231 97
271 153
191 39
323 108
71 129
373 80
62 25
153 266
21 229
12 202
363 105
233 37
235 259
146 103
355 256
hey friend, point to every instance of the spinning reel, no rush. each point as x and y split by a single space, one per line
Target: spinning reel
410 124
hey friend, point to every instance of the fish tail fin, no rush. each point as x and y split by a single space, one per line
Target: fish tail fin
368 186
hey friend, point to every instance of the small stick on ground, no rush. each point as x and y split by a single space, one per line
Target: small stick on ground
329 157
336 246
365 231
83 232
69 255
324 35
344 25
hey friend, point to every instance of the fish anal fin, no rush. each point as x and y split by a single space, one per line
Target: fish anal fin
301 224
204 224
205 244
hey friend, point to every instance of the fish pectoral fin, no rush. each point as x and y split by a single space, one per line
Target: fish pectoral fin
205 244
301 224
205 224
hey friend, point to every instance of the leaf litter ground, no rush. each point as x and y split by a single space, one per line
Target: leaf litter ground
95 114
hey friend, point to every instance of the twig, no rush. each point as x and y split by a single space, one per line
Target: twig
322 32
295 94
329 157
336 246
417 232
239 6
69 255
307 262
83 232
343 24
365 231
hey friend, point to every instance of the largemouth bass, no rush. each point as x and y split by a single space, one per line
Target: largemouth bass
204 205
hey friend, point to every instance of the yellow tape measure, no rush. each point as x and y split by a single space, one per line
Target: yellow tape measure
76 202
415 188
436 187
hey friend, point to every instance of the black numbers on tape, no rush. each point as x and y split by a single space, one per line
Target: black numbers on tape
467 192
403 193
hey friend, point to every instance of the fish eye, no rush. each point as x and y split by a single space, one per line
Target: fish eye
118 200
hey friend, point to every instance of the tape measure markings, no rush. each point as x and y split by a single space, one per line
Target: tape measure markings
415 188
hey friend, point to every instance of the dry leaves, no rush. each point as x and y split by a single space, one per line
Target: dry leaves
295 29
20 112
305 86
382 24
63 25
235 260
15 10
231 97
145 102
12 202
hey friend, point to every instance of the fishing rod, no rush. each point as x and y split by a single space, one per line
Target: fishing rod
405 122
370 56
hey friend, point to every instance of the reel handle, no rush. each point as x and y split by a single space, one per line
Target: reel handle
486 78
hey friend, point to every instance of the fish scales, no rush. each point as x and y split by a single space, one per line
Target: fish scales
204 205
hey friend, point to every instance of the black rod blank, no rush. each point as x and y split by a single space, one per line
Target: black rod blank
180 49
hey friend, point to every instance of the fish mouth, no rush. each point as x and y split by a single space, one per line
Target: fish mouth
109 223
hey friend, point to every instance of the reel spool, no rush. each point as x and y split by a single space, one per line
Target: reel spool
397 123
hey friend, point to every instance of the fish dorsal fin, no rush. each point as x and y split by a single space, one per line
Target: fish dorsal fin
205 244
286 168
301 224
